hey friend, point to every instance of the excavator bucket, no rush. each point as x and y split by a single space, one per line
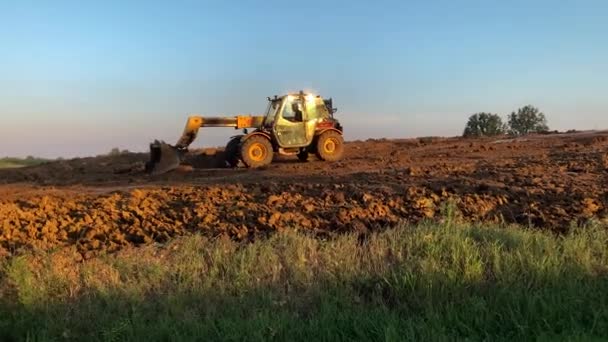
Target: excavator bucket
163 158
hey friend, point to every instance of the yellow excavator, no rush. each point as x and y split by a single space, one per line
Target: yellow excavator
294 124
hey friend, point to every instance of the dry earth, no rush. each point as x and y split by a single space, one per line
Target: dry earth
105 203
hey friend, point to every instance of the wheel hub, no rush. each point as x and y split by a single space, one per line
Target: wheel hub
329 146
257 152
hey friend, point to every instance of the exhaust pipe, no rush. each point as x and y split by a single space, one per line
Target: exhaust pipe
163 158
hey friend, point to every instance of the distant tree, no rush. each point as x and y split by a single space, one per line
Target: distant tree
528 119
114 152
484 124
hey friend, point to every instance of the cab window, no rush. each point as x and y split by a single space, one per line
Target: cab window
293 110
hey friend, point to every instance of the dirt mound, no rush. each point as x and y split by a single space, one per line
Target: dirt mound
126 167
81 170
105 203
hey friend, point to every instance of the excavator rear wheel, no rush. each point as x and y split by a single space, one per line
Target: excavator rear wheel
256 151
232 152
330 146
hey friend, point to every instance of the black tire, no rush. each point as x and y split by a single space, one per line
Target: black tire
231 152
330 146
303 156
149 166
256 151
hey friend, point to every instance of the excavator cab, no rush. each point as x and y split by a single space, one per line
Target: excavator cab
293 119
289 127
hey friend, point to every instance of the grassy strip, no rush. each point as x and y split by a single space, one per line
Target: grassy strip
6 163
9 165
409 283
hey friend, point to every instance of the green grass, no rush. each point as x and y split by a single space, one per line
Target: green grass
7 163
429 282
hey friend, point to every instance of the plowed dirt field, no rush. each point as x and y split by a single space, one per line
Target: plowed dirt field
105 203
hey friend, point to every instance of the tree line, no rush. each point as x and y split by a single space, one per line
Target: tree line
525 120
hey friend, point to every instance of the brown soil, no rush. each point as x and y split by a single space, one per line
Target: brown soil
105 203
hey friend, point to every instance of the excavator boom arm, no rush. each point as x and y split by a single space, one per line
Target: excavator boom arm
164 157
195 122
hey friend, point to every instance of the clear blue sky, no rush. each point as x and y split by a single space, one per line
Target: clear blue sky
78 78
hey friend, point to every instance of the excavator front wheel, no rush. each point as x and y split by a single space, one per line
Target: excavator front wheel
256 151
330 146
